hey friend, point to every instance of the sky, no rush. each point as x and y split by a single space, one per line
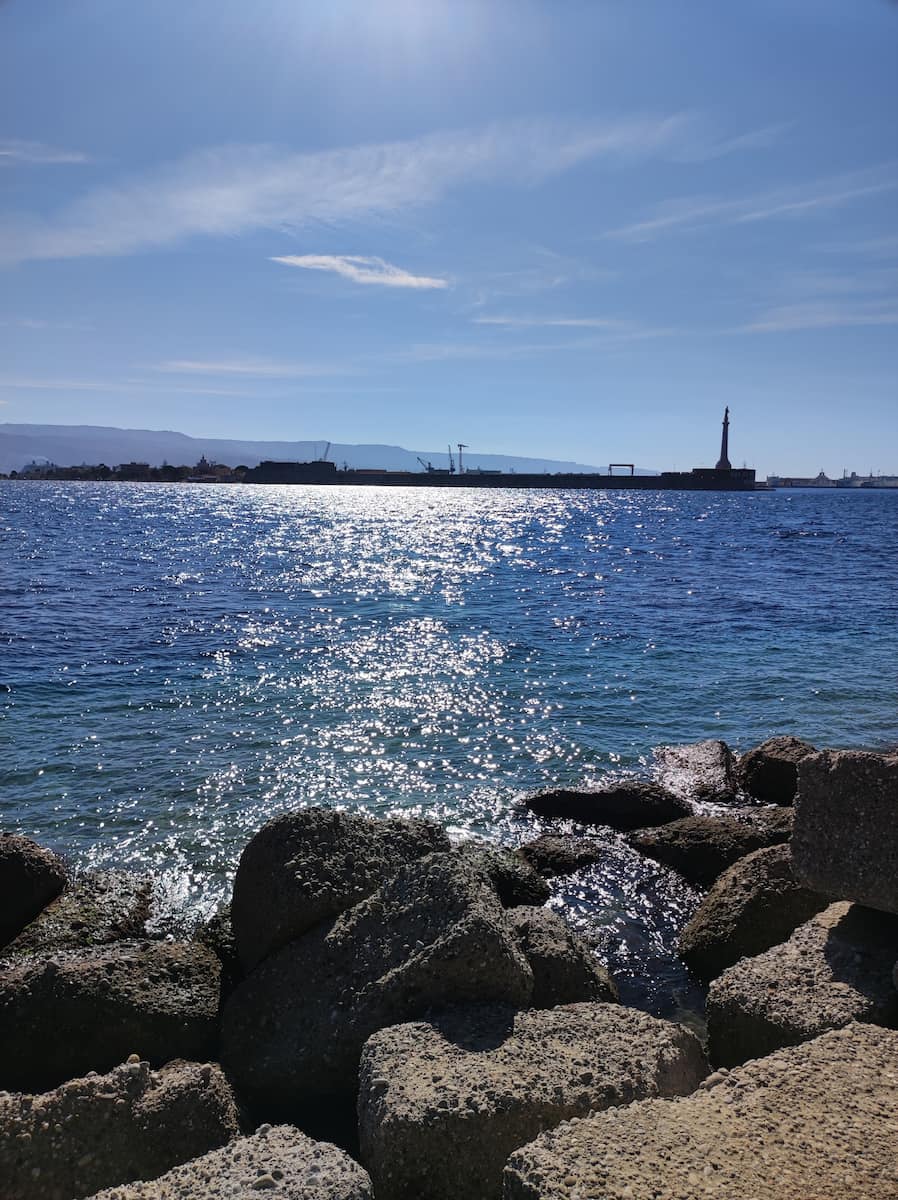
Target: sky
569 229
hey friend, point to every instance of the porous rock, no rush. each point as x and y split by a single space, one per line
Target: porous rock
513 878
816 1122
30 877
624 805
755 904
217 933
834 969
699 771
564 968
97 907
769 772
307 866
846 827
91 1133
562 854
278 1160
436 933
80 1010
700 848
442 1103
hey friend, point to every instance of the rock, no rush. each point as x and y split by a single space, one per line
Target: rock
770 771
30 877
628 804
562 854
83 1010
700 848
434 934
700 771
755 904
217 933
443 1103
816 1122
278 1161
513 878
96 908
834 969
309 865
90 1133
846 827
564 968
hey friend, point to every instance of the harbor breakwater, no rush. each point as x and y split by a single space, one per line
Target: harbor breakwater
373 985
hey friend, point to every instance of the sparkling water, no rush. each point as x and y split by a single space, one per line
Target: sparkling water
179 662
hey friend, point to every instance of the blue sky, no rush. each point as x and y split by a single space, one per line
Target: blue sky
559 229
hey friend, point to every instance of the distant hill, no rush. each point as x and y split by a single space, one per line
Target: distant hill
73 445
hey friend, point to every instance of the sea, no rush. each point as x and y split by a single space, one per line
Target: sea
178 663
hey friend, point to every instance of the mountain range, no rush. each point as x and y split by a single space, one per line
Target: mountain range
74 445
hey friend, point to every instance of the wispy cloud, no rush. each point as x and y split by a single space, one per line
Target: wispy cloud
789 318
117 386
554 322
361 270
249 368
695 212
237 189
35 154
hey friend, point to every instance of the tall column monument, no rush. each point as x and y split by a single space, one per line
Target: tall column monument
723 463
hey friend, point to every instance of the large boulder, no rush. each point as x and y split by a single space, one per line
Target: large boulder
700 848
513 878
443 1103
564 968
554 854
30 877
91 1133
83 1010
435 934
307 866
846 827
627 804
280 1161
834 969
816 1122
755 904
700 771
769 772
95 908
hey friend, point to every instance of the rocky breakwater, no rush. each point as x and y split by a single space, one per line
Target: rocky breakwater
387 1015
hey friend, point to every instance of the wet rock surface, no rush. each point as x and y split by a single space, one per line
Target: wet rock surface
816 1122
435 934
96 908
755 904
442 1103
565 969
513 878
91 1133
700 848
846 827
80 1010
834 969
30 877
279 1161
703 771
628 804
769 772
309 865
562 854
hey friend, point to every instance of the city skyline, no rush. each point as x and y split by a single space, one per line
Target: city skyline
574 237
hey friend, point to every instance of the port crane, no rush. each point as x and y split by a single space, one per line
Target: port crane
461 446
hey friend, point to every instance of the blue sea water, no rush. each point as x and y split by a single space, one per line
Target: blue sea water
179 663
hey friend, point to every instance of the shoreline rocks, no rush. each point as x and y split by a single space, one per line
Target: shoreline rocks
701 771
815 1121
769 772
443 1103
30 877
625 805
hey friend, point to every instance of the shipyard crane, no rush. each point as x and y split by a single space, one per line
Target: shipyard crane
323 457
451 462
461 446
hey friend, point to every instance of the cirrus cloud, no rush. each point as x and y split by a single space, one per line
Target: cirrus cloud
360 269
